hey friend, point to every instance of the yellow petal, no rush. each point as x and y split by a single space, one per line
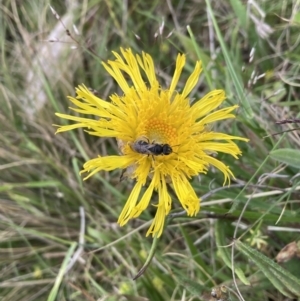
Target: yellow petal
180 61
222 167
208 103
163 209
219 115
86 95
144 202
186 195
192 80
126 213
148 66
106 163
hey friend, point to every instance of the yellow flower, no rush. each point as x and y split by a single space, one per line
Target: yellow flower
146 115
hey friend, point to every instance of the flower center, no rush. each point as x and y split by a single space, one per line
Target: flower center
160 132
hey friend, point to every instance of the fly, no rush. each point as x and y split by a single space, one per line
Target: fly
154 149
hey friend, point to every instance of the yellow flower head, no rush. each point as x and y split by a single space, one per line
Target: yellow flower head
160 134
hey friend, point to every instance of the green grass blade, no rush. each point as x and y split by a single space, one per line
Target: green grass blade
247 110
61 273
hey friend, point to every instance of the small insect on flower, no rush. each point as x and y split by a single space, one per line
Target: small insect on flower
148 119
154 149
